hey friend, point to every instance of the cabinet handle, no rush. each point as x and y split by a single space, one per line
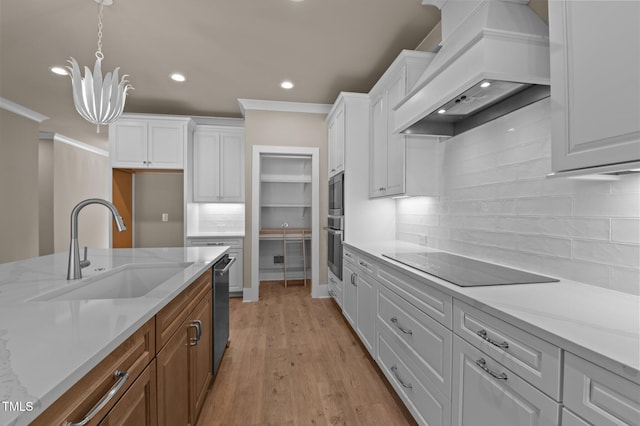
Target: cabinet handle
354 277
332 280
483 365
365 264
197 324
394 320
122 377
404 384
348 255
483 335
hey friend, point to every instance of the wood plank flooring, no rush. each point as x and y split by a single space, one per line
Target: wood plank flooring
294 360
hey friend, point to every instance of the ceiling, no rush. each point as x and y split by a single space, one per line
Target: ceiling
228 49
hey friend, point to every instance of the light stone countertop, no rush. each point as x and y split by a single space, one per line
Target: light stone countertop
598 324
219 234
47 346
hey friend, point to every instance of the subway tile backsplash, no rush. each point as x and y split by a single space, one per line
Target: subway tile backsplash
496 204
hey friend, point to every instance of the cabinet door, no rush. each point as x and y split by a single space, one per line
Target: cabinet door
206 157
484 392
338 157
332 138
138 405
350 295
236 283
200 362
128 142
173 380
231 167
395 143
365 312
166 145
378 161
594 99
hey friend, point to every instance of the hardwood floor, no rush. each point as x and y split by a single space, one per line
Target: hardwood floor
294 360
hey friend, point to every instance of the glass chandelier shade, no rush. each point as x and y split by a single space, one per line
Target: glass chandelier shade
98 100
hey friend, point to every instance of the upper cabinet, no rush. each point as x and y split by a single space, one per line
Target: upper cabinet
148 142
400 165
595 82
218 164
337 128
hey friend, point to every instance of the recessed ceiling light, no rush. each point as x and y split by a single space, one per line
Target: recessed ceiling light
442 111
287 85
485 84
178 77
59 70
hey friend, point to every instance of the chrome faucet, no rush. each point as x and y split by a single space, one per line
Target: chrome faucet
74 270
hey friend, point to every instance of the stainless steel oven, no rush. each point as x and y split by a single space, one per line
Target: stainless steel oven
336 195
334 243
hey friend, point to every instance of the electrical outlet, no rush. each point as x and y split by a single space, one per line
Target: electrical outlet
165 217
278 259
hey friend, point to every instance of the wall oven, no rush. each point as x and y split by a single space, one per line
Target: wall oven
336 195
334 243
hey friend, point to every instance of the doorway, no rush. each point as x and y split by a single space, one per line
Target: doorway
285 217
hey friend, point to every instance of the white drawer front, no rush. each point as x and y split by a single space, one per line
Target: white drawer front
434 303
428 407
367 265
570 419
349 255
215 241
334 281
424 340
487 393
599 396
530 357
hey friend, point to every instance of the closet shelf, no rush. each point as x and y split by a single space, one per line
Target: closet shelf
286 205
285 179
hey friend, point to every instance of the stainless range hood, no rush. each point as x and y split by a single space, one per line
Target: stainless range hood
494 59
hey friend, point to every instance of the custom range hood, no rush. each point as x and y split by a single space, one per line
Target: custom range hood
494 59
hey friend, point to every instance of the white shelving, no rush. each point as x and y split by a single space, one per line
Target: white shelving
285 204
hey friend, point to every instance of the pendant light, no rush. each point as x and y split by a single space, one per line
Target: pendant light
98 100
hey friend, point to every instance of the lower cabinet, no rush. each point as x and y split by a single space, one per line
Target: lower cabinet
485 392
358 305
160 375
138 405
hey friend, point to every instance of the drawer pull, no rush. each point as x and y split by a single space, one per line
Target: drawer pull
348 255
332 293
404 384
332 280
365 264
122 377
197 324
483 364
394 320
354 278
483 336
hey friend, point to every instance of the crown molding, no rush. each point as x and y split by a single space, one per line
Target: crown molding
57 137
23 111
256 104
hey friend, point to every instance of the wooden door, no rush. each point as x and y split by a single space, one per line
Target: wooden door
200 357
137 407
173 380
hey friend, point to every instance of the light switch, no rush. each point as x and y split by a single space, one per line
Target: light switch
165 217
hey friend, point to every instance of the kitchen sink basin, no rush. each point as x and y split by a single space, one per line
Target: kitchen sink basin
125 282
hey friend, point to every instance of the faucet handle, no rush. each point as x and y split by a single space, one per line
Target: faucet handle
84 262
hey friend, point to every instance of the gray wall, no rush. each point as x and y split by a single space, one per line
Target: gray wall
154 194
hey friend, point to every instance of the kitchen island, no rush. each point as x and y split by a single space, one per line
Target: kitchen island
48 342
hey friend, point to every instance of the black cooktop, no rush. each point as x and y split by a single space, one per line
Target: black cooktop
466 272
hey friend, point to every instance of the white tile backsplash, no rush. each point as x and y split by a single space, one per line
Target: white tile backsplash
209 218
497 204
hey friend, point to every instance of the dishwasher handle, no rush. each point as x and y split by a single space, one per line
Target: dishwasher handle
226 268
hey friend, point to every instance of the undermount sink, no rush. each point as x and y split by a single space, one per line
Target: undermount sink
125 282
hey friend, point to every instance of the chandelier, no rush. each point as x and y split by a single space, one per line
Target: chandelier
98 100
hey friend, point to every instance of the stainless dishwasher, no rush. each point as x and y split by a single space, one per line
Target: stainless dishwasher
220 293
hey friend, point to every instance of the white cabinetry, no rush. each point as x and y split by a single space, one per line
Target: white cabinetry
595 111
336 287
359 297
337 126
399 164
218 164
600 397
148 142
235 250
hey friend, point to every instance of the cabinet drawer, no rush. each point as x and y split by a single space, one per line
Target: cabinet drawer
485 392
598 395
132 356
367 264
176 312
526 355
428 406
335 282
432 302
570 419
214 242
349 255
423 339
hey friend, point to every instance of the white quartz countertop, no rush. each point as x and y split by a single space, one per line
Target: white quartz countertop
218 234
598 324
47 346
